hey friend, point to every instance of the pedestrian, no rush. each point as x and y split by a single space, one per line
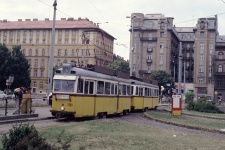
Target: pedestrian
219 100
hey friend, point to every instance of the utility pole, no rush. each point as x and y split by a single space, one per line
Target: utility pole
51 52
180 69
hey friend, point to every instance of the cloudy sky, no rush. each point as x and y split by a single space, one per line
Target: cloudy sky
185 13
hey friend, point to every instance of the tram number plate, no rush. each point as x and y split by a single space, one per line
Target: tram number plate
69 104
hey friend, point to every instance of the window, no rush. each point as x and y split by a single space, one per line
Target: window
137 91
35 73
210 46
18 41
112 89
67 33
58 62
161 34
18 33
10 33
200 80
42 73
65 85
202 34
220 68
31 41
36 63
74 33
36 52
41 84
72 53
73 42
124 90
201 69
202 46
80 85
89 87
37 33
24 33
42 63
43 52
107 88
60 33
59 52
100 87
59 42
221 55
66 41
37 41
65 54
44 41
35 84
30 52
31 33
44 33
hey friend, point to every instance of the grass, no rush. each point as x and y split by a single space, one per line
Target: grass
189 120
109 134
14 105
185 111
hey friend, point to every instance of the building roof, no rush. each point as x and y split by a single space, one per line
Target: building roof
184 29
64 23
220 38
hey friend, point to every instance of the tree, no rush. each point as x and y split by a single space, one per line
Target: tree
17 65
164 79
4 58
120 65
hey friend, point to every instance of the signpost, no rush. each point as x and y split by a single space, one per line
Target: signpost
176 105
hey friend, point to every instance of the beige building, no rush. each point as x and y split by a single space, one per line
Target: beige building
156 40
78 40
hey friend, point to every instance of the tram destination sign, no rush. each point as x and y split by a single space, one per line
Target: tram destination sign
60 96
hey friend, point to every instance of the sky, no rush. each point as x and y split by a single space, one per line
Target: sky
184 12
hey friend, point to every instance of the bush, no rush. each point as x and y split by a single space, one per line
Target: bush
202 105
25 136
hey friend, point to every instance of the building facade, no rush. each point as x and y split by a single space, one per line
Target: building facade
78 40
155 41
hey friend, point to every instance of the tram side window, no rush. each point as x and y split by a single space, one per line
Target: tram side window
107 88
100 87
146 91
124 90
116 89
91 87
141 91
132 90
80 85
129 90
150 94
86 87
137 91
112 89
120 89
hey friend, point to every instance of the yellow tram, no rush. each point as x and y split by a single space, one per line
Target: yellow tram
80 92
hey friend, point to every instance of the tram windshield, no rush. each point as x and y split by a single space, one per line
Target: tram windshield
64 85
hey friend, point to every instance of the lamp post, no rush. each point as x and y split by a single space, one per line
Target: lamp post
174 70
51 53
132 46
8 84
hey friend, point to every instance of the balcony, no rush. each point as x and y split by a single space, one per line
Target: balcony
219 73
148 38
149 60
149 49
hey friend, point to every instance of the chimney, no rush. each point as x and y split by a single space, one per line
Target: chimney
70 19
18 20
46 19
4 20
27 19
63 18
35 19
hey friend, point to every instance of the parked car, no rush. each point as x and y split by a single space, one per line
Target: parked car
2 95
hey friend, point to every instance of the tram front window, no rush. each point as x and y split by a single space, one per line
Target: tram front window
64 86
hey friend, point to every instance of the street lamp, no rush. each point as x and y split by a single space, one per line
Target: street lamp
132 46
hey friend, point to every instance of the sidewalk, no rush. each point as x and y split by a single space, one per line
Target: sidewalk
39 113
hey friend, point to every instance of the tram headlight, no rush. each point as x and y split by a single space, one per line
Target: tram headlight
62 107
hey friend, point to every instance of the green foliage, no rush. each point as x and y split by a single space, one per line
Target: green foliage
189 97
4 60
25 136
163 79
203 105
120 65
16 64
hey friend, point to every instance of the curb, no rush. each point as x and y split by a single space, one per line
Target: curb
185 126
25 120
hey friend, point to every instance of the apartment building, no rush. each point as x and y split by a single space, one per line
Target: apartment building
155 41
78 40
